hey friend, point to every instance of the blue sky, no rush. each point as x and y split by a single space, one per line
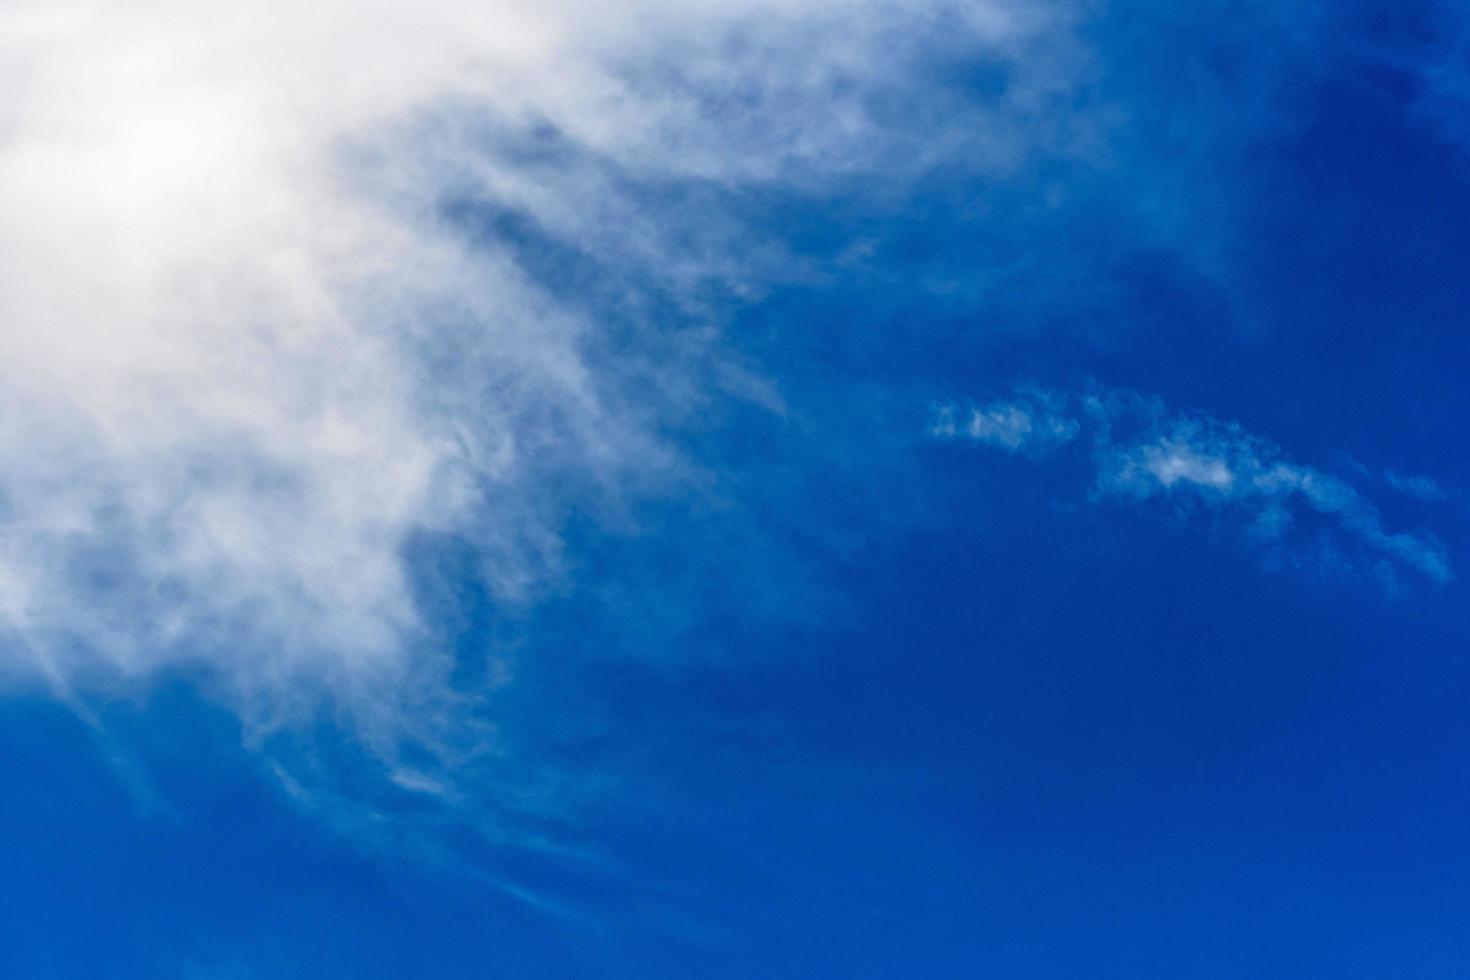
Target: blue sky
826 488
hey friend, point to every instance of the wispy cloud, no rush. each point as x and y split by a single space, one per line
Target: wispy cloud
1033 422
1140 451
1419 487
286 289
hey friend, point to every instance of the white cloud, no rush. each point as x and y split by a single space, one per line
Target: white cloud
243 355
1139 450
1031 423
1171 462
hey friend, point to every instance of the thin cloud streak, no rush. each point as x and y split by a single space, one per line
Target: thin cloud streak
1138 450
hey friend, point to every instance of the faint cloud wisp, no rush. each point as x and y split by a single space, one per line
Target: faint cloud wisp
1139 450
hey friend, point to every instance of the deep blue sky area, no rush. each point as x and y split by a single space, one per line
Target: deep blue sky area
869 702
